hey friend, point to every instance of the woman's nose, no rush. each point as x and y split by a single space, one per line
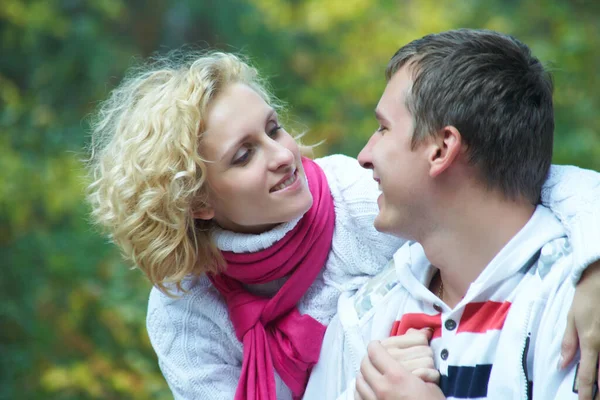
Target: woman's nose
280 156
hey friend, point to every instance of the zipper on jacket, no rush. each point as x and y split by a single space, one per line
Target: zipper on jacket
528 392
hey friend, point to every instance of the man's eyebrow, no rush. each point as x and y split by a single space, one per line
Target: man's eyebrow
380 116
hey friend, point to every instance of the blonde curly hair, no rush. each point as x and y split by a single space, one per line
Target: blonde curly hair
146 171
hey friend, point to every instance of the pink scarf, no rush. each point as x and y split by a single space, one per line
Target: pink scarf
274 334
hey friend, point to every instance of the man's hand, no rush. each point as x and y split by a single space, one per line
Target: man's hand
383 378
412 350
583 329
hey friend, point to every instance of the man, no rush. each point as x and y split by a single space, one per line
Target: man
463 148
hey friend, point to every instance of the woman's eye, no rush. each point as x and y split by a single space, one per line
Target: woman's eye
380 129
272 132
242 156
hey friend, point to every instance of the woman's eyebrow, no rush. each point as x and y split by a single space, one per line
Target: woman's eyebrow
234 145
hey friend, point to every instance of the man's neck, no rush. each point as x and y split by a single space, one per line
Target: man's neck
468 235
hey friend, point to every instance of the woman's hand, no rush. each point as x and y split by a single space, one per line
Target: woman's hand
583 329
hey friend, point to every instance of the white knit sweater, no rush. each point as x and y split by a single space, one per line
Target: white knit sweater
194 339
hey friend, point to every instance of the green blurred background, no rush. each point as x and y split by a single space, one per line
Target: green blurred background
71 312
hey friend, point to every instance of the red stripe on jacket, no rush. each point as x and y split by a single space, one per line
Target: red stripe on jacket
418 321
477 318
483 317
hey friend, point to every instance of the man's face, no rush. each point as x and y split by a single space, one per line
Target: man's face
402 173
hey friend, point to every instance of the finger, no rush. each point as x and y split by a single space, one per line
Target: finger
368 372
402 355
586 375
430 375
412 330
420 363
427 331
569 344
406 340
363 389
381 360
416 338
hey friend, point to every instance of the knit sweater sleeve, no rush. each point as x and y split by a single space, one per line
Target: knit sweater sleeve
197 351
573 195
358 251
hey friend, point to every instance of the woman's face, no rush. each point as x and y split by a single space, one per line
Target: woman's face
254 173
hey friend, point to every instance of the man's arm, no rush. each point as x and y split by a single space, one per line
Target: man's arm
336 367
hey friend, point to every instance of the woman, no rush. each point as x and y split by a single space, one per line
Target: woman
247 243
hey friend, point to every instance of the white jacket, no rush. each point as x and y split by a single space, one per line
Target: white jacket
532 331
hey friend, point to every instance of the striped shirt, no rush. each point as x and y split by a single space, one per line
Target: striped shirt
465 338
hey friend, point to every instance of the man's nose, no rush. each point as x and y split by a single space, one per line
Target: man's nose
365 157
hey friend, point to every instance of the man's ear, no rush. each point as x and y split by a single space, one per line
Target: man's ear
444 150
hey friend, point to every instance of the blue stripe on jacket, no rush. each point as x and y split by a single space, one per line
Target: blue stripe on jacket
466 382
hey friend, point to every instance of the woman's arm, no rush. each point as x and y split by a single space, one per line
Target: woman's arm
196 356
573 195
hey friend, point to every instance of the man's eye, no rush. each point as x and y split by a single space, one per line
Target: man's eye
381 128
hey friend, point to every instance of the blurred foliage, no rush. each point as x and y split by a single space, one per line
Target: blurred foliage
71 313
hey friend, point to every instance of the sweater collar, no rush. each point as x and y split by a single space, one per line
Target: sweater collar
248 242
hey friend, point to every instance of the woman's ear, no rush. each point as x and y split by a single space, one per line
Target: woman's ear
206 213
202 208
444 151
